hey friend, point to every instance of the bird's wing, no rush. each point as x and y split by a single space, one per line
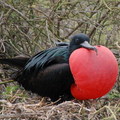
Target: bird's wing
46 58
61 43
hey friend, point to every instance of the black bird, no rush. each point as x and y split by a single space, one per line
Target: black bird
48 73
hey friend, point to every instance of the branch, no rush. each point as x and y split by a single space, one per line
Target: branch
79 25
21 14
101 19
25 115
6 82
11 7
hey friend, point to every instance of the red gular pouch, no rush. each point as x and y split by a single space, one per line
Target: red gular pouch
94 73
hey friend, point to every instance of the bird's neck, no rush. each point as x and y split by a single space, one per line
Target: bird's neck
72 48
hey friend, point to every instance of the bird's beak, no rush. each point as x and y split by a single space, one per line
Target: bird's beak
85 44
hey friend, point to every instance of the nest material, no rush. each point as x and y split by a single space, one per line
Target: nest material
69 110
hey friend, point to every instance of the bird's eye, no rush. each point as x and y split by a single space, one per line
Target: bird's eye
77 41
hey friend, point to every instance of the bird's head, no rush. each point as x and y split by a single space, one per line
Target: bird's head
79 41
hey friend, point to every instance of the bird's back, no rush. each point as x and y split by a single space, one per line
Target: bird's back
46 58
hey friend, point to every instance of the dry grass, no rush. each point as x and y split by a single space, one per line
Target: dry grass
35 108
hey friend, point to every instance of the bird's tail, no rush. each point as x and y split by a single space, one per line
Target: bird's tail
19 62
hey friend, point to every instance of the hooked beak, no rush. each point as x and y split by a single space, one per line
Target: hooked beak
85 44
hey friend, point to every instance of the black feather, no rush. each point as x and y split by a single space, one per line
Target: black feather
45 58
17 62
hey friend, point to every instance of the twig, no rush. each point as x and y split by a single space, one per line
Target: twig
6 82
40 11
104 2
106 107
101 19
97 24
28 115
79 25
11 7
117 45
113 115
21 14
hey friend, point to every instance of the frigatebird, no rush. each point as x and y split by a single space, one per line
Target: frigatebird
48 73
